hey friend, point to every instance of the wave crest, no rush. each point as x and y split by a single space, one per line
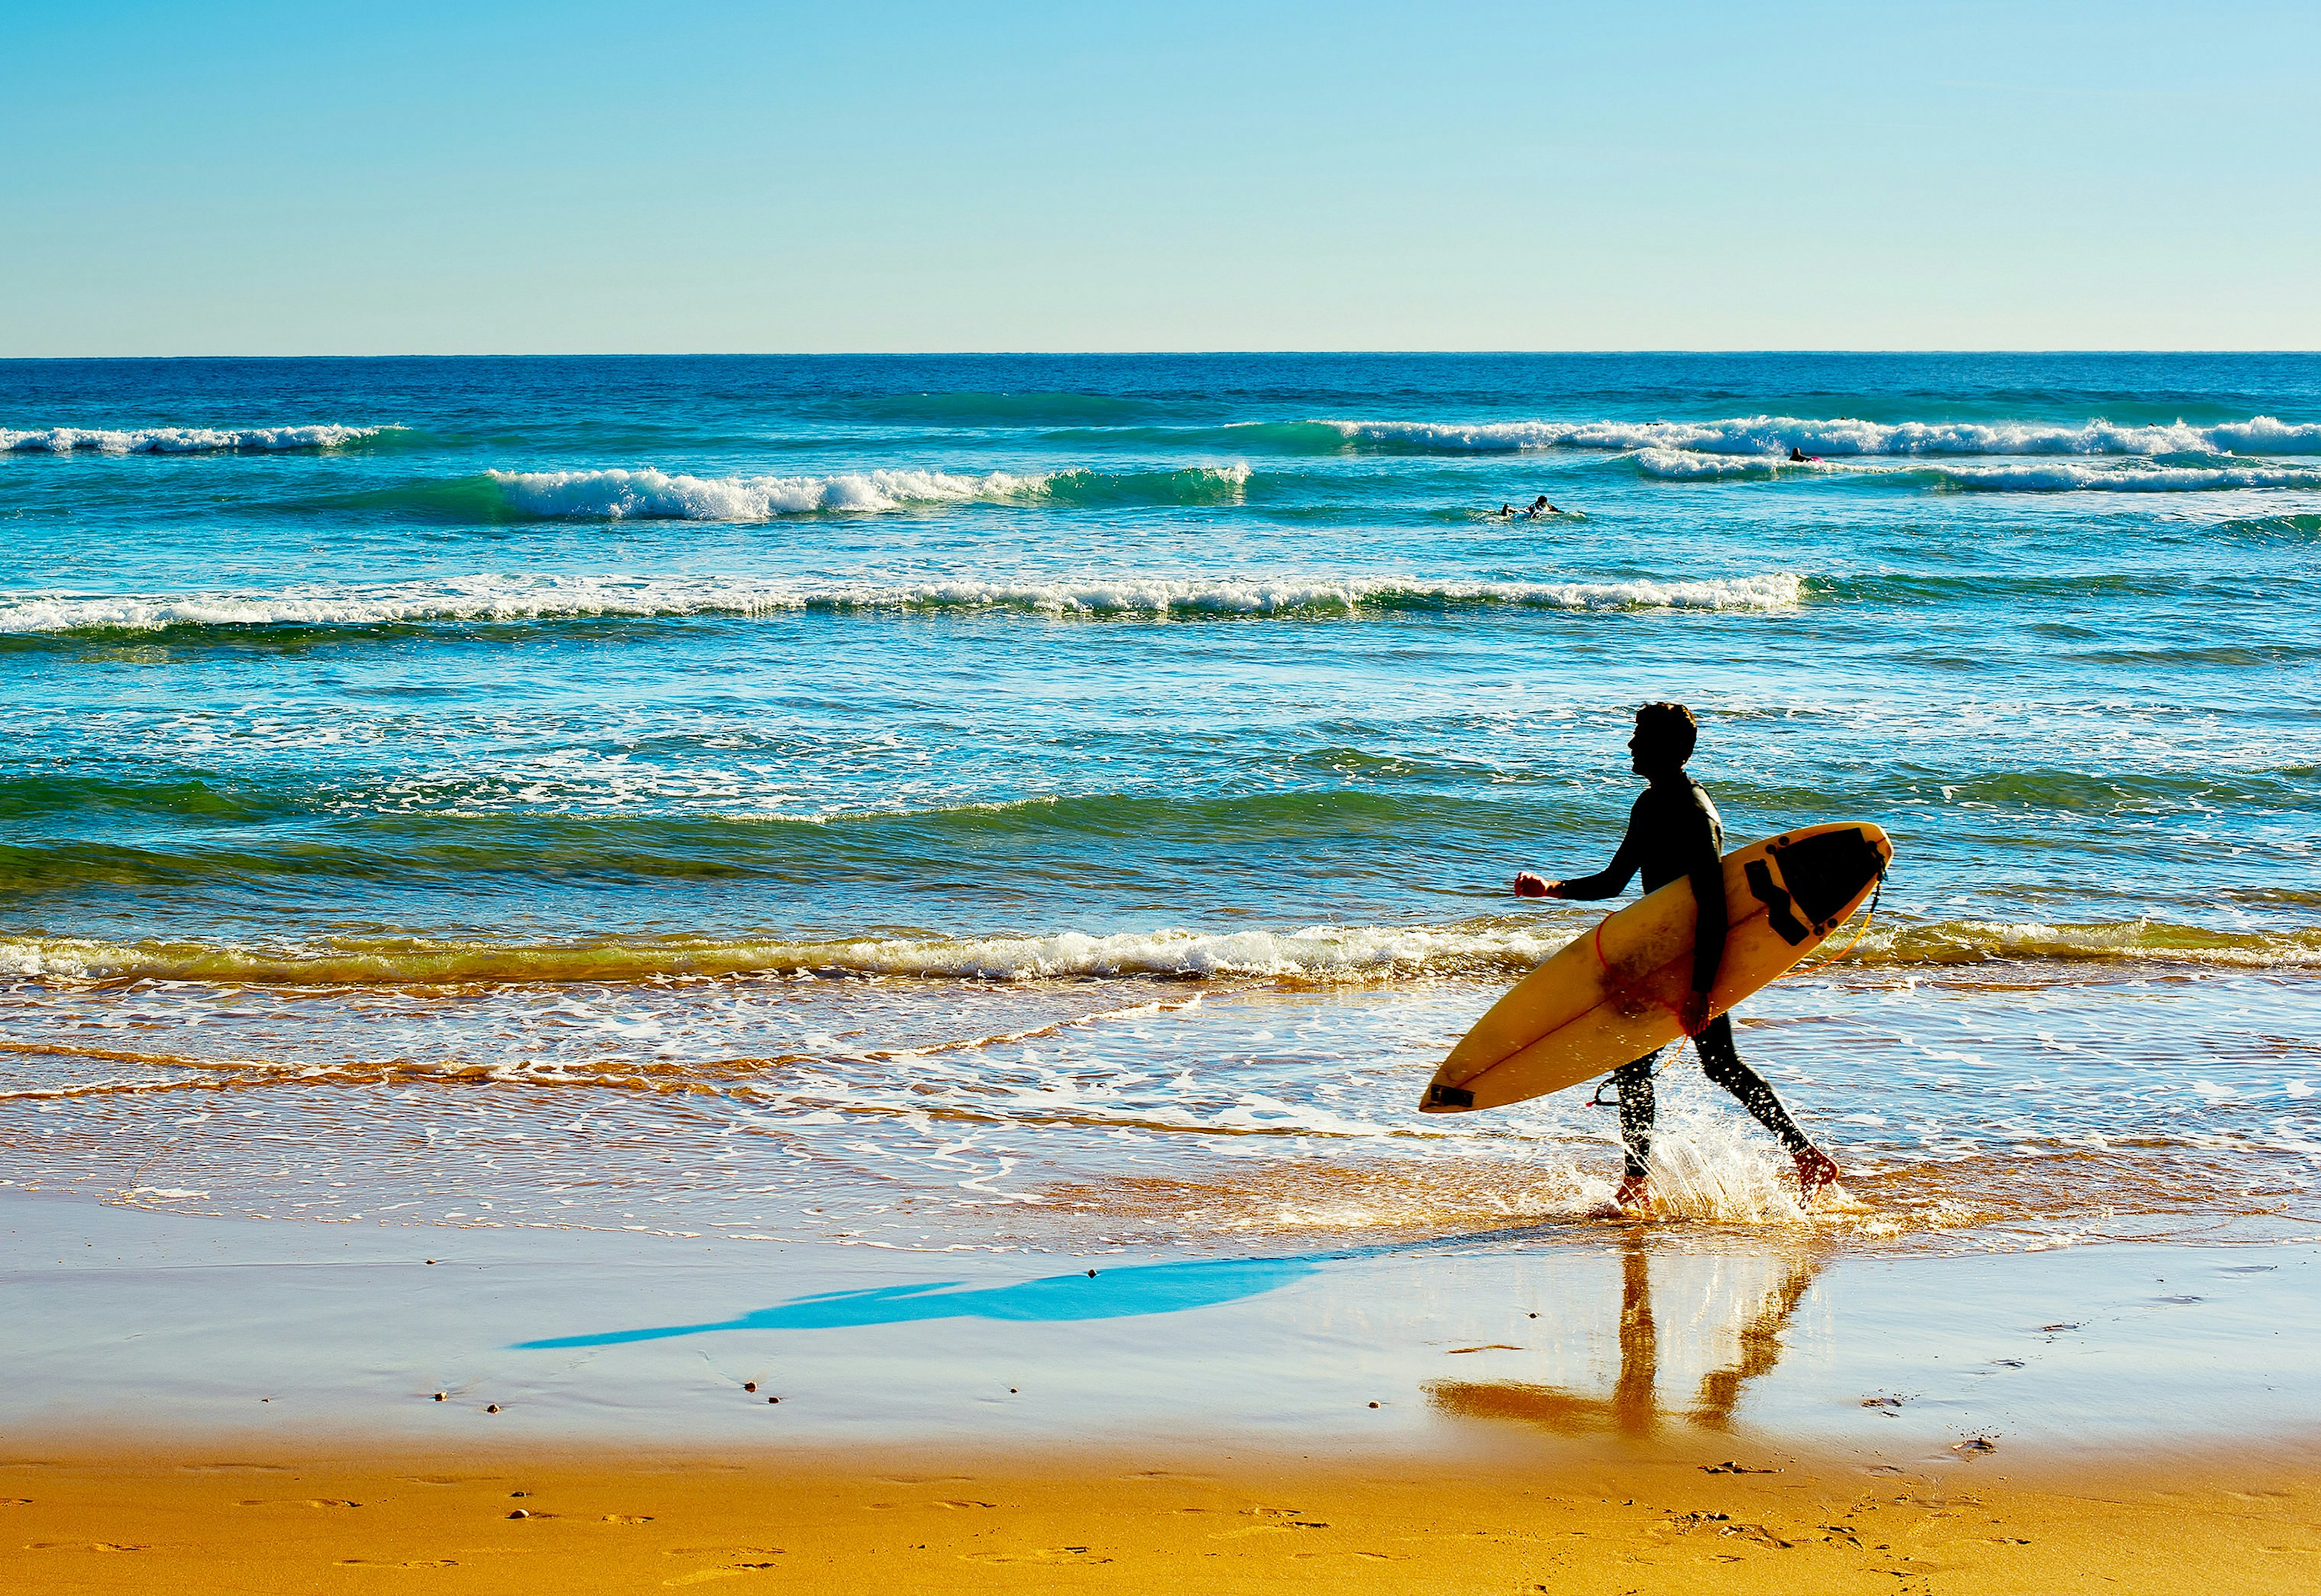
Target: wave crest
1778 434
181 441
515 599
623 495
2124 476
1493 948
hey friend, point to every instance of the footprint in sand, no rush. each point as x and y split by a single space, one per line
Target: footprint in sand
1048 1554
702 1576
308 1502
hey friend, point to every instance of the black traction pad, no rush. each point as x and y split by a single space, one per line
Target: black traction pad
1776 904
1824 874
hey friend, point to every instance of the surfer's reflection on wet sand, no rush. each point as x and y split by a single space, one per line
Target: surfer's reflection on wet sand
1634 1409
1121 1292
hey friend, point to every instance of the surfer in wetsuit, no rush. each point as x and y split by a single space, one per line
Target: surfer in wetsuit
1674 831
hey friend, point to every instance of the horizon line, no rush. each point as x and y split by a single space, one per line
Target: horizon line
1127 354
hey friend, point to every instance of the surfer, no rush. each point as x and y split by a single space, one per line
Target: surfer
1674 831
1539 507
1796 456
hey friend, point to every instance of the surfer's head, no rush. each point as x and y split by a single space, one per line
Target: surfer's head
1665 736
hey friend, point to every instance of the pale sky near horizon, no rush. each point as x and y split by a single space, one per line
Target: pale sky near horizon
519 176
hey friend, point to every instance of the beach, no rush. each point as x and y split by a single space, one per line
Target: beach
826 966
254 1406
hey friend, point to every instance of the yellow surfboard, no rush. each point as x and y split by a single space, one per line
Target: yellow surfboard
1611 996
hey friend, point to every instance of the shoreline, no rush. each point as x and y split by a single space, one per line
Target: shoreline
279 1335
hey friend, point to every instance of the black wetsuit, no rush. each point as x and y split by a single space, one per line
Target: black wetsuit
1674 831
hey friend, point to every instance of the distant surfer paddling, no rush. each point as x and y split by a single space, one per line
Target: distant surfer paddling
1674 831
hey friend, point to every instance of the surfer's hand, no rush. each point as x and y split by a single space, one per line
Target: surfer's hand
1692 1013
1528 885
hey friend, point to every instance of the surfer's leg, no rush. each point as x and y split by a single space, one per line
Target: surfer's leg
1720 1061
1635 1083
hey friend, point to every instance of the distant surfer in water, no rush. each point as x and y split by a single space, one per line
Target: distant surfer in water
1674 831
1539 507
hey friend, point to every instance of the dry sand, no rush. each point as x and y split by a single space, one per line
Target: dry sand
222 1520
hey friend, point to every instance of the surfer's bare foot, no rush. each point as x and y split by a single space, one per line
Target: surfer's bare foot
1633 1197
1815 1170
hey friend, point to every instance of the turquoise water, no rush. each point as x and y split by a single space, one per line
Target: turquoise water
713 730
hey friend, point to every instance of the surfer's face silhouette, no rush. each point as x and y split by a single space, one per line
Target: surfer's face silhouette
1652 753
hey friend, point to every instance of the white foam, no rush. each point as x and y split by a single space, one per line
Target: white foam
1677 465
1315 953
1493 944
2126 478
2120 477
175 440
1777 435
507 598
621 494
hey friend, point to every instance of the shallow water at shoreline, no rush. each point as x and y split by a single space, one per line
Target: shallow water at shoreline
2006 1106
1037 804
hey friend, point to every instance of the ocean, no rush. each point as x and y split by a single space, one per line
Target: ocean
1068 803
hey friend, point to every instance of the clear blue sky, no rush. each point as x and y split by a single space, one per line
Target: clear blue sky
597 174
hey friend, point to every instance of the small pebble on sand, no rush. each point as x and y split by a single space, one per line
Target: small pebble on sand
491 1407
773 1399
520 1513
442 1397
749 1385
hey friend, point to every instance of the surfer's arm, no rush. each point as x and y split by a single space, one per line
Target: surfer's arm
1609 882
1708 934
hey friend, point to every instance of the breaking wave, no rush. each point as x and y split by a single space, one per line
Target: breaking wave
621 495
183 440
2120 476
2124 478
517 599
652 494
1369 955
1778 434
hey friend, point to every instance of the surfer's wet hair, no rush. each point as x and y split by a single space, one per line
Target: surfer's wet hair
1672 726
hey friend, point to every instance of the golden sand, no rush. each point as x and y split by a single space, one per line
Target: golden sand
223 1521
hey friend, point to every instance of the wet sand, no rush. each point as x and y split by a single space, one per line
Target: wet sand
213 1404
